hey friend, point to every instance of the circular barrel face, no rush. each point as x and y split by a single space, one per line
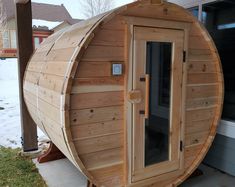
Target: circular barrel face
132 97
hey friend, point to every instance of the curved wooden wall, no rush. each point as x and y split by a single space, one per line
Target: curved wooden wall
73 67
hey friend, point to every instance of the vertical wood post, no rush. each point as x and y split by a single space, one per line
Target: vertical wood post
25 50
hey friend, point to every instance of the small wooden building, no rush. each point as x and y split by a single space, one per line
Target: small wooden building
132 97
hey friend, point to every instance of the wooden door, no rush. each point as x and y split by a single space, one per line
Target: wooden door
157 89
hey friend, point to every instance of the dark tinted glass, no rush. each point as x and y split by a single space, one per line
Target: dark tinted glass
159 55
220 22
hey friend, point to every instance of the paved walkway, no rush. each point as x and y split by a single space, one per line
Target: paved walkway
61 173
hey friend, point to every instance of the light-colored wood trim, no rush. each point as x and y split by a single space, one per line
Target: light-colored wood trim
160 23
147 92
128 106
184 95
141 35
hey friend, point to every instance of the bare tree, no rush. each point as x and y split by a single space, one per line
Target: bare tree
94 7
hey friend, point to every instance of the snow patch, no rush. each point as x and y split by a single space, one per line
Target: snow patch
10 124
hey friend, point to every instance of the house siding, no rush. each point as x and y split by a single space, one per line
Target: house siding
189 3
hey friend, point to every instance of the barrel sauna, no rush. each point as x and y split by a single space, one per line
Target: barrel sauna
132 97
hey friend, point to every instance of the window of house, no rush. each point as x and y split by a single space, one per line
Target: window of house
13 39
36 42
220 22
6 39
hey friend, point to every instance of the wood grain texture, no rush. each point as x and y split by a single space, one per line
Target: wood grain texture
72 95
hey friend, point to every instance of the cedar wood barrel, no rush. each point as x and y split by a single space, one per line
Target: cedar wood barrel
87 111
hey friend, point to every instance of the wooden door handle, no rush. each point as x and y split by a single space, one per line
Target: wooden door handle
134 96
147 91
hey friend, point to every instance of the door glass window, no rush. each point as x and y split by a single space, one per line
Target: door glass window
157 126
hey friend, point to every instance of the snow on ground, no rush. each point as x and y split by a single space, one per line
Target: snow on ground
10 125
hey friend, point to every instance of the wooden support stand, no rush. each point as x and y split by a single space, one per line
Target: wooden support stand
53 153
25 50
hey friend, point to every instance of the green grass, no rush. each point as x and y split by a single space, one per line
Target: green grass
18 171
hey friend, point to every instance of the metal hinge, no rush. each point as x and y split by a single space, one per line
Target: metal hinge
184 56
181 145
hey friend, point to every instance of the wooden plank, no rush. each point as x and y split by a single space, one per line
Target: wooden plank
191 151
50 96
47 95
102 159
93 69
166 12
94 115
75 35
53 55
37 57
196 138
30 98
201 103
47 44
151 171
101 143
60 54
148 22
115 80
110 176
104 53
114 24
25 50
197 42
45 108
51 126
58 68
198 126
189 161
110 37
200 55
158 34
194 31
50 111
97 99
96 88
202 91
32 77
202 78
201 67
30 87
52 82
200 114
96 129
33 114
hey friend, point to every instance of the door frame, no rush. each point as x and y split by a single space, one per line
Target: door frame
131 22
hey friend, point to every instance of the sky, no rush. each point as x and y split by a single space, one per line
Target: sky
74 6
